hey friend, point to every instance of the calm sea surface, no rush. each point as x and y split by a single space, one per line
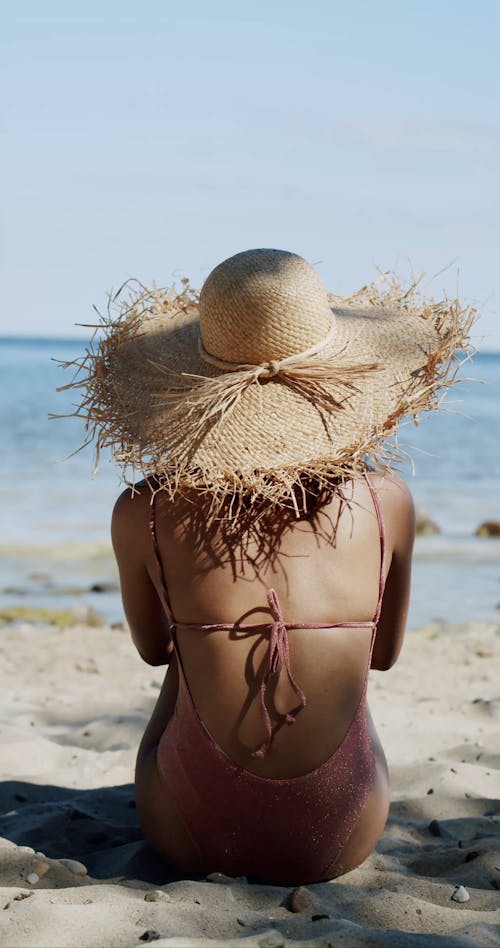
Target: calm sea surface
54 532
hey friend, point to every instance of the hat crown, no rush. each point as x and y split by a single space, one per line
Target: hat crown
263 305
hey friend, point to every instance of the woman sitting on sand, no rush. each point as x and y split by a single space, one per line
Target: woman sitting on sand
262 559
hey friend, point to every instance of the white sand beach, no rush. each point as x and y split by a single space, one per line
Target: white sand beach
75 701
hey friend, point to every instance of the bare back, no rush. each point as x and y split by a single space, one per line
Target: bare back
324 571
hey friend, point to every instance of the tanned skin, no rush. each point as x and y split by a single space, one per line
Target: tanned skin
323 568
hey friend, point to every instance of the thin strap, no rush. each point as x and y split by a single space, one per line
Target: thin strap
161 574
278 656
381 530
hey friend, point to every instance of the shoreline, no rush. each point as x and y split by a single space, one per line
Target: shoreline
455 579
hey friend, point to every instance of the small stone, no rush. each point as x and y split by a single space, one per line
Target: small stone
32 878
460 894
22 895
156 896
149 935
271 939
218 877
430 790
300 900
77 868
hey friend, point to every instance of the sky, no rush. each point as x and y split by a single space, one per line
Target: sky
154 140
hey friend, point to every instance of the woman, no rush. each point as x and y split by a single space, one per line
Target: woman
263 560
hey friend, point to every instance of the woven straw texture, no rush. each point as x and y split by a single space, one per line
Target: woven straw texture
216 393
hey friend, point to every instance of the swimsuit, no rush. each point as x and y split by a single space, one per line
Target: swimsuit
284 831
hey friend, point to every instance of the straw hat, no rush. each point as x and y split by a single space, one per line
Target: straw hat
264 377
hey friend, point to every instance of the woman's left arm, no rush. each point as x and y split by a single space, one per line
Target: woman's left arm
142 605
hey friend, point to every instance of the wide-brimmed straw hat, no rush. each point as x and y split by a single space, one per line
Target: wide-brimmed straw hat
264 377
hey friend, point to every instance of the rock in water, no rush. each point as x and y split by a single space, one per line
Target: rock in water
488 528
424 526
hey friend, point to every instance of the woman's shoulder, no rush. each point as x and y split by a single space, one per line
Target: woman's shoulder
132 506
398 511
395 501
390 487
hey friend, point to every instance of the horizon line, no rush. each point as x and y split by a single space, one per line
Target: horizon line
84 339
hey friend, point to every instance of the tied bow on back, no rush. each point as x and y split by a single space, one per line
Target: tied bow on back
278 657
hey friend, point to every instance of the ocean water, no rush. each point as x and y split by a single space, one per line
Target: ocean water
54 532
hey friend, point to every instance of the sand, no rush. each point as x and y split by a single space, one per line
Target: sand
74 704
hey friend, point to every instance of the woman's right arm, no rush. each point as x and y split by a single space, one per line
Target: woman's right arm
143 608
399 519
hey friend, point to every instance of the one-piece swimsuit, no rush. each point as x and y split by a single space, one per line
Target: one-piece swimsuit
282 830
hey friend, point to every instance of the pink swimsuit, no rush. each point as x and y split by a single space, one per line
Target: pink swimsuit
284 831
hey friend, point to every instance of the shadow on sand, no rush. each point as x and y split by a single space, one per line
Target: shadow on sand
98 827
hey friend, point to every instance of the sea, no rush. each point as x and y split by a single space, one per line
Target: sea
55 510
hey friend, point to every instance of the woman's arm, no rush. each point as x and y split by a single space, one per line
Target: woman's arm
399 520
142 605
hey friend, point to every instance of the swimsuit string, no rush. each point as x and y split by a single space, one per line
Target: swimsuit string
278 656
381 581
161 574
381 531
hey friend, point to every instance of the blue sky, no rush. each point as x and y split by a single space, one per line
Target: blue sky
155 140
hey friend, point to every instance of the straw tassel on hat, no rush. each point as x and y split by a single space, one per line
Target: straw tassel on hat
264 378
